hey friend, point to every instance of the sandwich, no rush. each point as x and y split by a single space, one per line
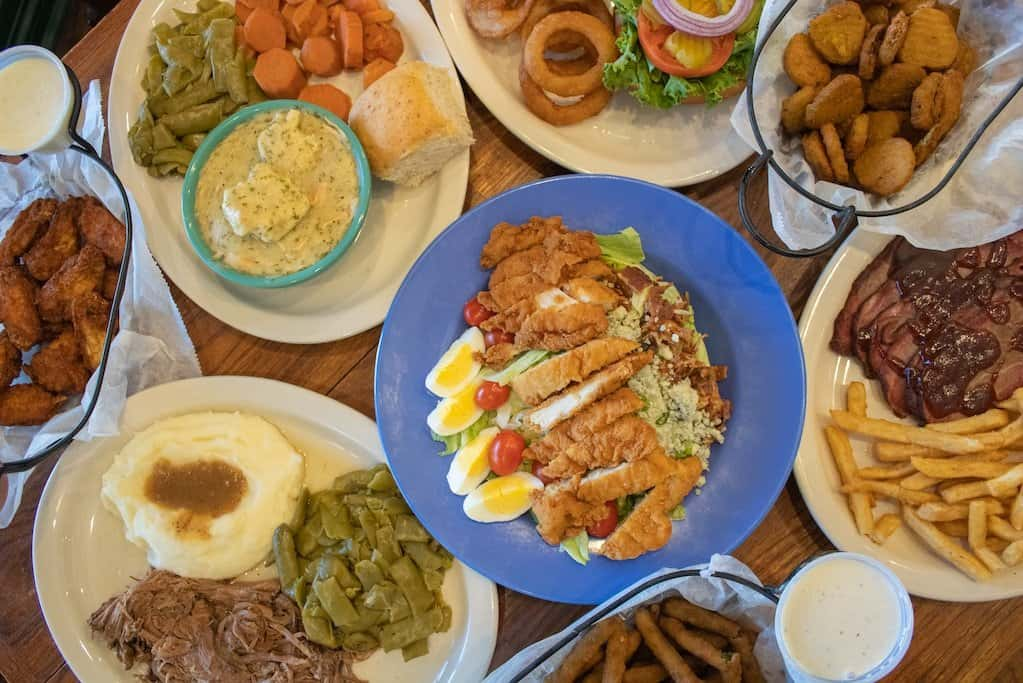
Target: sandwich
683 51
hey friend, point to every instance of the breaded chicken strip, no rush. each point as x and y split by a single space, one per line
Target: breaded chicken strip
549 265
563 406
76 278
627 440
100 228
57 244
648 527
25 228
559 329
18 307
499 355
58 367
554 374
10 361
513 290
622 402
611 483
589 291
594 269
90 314
560 514
506 239
27 404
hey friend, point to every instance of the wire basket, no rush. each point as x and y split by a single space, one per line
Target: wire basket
846 215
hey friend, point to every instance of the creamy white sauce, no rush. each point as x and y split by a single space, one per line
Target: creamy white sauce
840 619
32 95
277 193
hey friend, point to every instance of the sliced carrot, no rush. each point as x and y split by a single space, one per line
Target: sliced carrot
382 40
264 30
374 70
306 17
242 11
330 98
322 25
321 56
329 3
378 16
361 6
278 73
289 24
349 37
294 2
269 5
333 12
247 3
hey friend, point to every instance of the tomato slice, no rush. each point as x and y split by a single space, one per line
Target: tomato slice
604 527
652 39
492 337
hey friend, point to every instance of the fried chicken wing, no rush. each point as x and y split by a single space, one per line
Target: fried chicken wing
589 291
27 404
611 483
58 367
109 286
18 307
77 277
627 440
90 314
100 228
57 244
25 229
559 329
506 239
559 512
554 374
10 361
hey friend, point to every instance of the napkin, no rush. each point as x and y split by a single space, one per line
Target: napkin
980 203
152 346
734 601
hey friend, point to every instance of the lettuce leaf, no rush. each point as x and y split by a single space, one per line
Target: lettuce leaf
621 249
632 71
678 513
517 366
578 547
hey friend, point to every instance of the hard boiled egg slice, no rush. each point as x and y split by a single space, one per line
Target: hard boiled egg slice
456 413
471 463
458 366
502 499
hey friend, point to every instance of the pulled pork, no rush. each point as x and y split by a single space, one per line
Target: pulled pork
199 630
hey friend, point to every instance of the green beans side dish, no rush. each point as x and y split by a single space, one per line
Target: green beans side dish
196 76
362 568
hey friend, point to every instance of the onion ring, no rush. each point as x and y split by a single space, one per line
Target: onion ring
537 101
496 18
589 27
541 8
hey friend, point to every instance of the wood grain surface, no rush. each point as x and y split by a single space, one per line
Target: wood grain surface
952 642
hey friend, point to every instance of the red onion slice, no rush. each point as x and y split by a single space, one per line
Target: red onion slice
698 25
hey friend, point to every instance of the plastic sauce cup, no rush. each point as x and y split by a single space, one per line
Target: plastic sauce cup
38 98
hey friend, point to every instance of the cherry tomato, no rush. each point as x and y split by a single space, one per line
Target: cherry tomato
652 38
492 337
505 454
538 473
491 395
474 312
604 527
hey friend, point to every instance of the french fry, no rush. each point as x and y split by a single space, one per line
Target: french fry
952 468
884 527
997 544
918 482
920 436
856 399
890 490
1002 529
586 653
961 492
1006 484
886 471
1016 514
860 502
678 670
989 558
886 451
946 512
1013 553
976 534
994 418
700 617
946 546
957 527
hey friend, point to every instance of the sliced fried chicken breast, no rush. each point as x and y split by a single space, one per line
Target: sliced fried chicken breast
611 483
559 512
506 239
554 374
559 329
628 439
589 291
622 402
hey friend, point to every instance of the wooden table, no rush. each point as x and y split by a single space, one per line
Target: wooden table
953 642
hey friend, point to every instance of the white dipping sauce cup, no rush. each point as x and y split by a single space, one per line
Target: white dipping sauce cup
51 134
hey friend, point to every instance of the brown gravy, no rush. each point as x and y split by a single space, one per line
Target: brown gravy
206 488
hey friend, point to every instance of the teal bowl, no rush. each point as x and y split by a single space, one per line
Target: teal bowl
194 232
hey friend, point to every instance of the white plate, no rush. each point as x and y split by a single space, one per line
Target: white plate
356 292
684 145
80 556
924 573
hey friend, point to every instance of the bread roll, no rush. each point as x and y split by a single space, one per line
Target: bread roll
411 121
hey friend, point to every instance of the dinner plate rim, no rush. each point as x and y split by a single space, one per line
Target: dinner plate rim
481 592
790 328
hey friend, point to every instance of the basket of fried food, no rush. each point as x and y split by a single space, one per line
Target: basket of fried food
678 625
957 486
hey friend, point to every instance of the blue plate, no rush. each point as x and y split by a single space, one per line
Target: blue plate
738 305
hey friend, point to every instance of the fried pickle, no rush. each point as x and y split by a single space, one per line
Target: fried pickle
947 106
931 40
894 36
856 138
839 100
836 154
77 277
26 227
923 109
10 361
885 167
885 124
868 53
18 307
55 246
817 157
100 228
793 109
838 33
58 367
893 88
27 404
90 314
966 59
876 15
803 64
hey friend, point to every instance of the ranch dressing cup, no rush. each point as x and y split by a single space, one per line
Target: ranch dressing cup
843 617
36 98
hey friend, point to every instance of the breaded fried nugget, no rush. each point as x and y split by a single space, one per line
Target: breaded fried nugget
838 33
876 15
27 404
839 100
77 277
856 138
506 239
836 155
10 361
25 228
893 88
90 314
923 110
817 156
931 40
885 124
803 64
56 245
868 53
951 11
18 307
793 109
966 59
894 36
910 6
100 228
58 367
560 329
885 167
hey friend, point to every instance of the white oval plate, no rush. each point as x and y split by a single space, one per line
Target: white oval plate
80 556
355 293
924 573
682 146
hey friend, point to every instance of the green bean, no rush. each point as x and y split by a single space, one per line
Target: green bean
337 524
284 555
307 538
423 557
359 642
152 79
353 481
369 574
387 545
254 92
219 43
198 92
382 481
237 86
163 138
331 565
408 528
410 581
416 649
140 138
316 623
407 631
206 5
433 579
199 119
368 522
341 610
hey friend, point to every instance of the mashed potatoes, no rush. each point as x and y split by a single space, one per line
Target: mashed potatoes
203 493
